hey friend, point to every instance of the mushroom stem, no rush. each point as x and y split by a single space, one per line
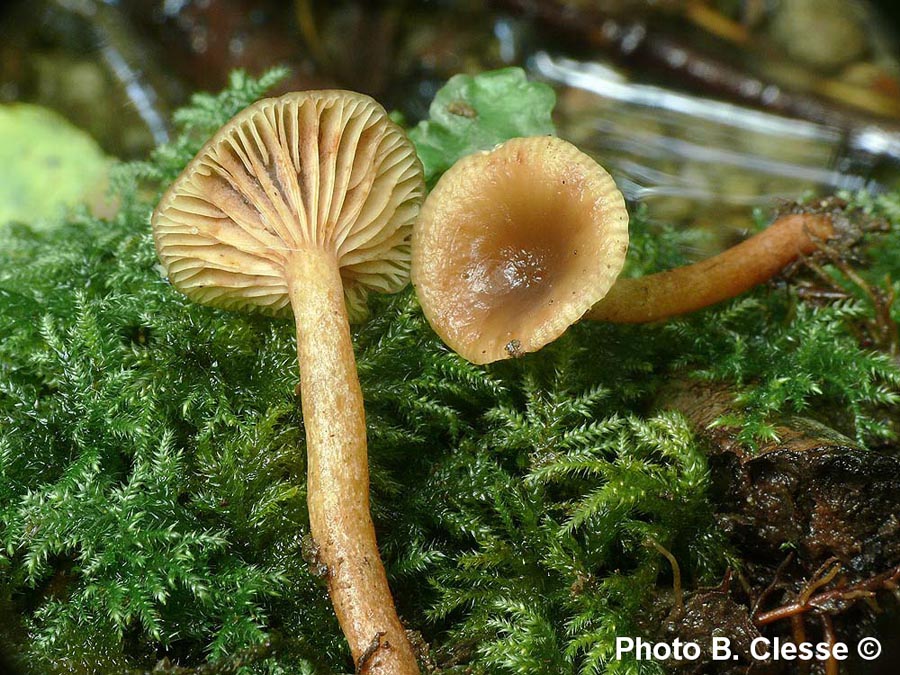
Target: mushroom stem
337 470
692 287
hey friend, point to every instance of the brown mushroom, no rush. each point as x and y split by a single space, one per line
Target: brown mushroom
302 203
506 248
514 245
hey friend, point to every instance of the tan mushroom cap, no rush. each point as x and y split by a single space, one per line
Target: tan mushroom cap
325 169
514 245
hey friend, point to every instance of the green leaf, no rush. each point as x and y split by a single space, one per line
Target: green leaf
46 165
472 113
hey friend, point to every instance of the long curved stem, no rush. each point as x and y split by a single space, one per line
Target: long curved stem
692 287
338 470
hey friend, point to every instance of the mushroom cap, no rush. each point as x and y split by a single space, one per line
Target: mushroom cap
514 245
323 169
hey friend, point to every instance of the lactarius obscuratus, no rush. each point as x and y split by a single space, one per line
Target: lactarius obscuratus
516 244
301 204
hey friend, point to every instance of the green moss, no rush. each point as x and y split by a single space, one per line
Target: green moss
152 490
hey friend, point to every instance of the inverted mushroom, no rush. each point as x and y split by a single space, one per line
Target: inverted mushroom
514 245
506 248
302 204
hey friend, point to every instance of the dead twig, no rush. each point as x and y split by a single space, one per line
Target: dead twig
830 601
676 574
831 665
776 578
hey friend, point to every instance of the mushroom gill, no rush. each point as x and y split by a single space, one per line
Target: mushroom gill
317 169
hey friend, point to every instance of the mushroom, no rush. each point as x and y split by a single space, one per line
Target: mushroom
301 204
516 244
506 248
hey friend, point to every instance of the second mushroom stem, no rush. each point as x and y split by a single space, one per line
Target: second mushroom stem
692 287
337 470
